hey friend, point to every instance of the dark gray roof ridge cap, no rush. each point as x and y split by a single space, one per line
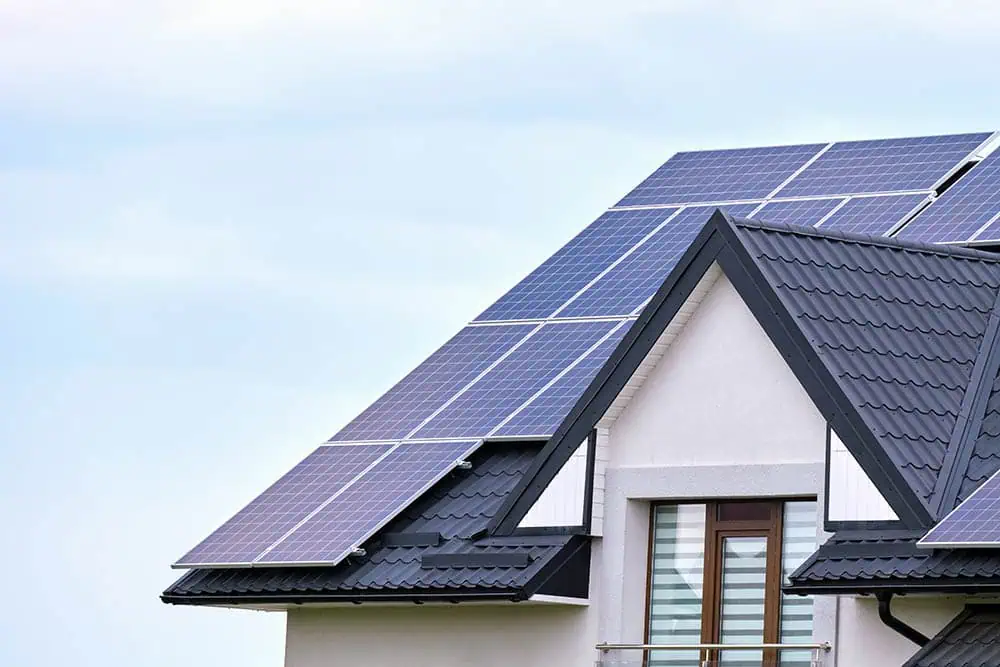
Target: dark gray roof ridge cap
865 239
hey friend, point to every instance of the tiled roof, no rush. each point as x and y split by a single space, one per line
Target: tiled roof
985 459
866 561
456 509
899 325
971 640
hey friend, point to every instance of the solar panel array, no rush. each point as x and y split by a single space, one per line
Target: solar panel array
518 369
297 507
519 376
874 215
581 260
963 210
974 523
630 283
287 502
886 165
360 510
798 211
720 176
458 362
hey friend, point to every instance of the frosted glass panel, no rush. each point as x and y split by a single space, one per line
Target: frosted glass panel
798 543
677 579
744 573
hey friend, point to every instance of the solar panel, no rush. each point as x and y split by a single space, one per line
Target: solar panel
885 165
515 379
542 416
963 209
726 175
283 505
876 216
433 382
362 509
804 212
974 523
577 263
638 276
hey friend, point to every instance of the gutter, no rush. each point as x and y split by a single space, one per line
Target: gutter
307 598
885 615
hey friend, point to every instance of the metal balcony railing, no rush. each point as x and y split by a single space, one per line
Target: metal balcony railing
712 655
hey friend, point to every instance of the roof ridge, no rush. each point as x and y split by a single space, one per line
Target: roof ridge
866 239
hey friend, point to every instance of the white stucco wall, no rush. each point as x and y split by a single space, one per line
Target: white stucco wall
439 636
864 641
720 394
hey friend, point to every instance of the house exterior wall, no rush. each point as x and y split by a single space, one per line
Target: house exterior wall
866 642
721 394
439 636
719 416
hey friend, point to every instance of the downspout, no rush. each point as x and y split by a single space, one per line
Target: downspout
885 614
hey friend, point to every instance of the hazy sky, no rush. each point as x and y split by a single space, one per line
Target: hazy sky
226 226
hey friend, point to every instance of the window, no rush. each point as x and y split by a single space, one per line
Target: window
715 577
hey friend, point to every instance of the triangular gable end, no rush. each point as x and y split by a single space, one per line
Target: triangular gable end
718 243
851 496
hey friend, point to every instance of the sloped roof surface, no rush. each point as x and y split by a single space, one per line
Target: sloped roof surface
457 508
985 458
890 559
899 325
971 640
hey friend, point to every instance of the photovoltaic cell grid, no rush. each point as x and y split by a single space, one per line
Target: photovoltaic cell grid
577 263
638 276
543 415
797 212
876 216
974 523
437 379
887 165
725 175
289 500
370 503
515 379
963 208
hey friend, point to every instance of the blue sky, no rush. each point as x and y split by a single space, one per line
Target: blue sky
225 227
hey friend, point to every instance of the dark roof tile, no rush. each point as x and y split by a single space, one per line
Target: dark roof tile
864 561
900 327
972 639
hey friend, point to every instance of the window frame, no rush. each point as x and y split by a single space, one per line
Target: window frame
716 531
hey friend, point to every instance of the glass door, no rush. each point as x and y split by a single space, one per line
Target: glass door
742 592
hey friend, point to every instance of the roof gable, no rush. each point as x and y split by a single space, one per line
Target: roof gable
886 337
900 328
720 363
